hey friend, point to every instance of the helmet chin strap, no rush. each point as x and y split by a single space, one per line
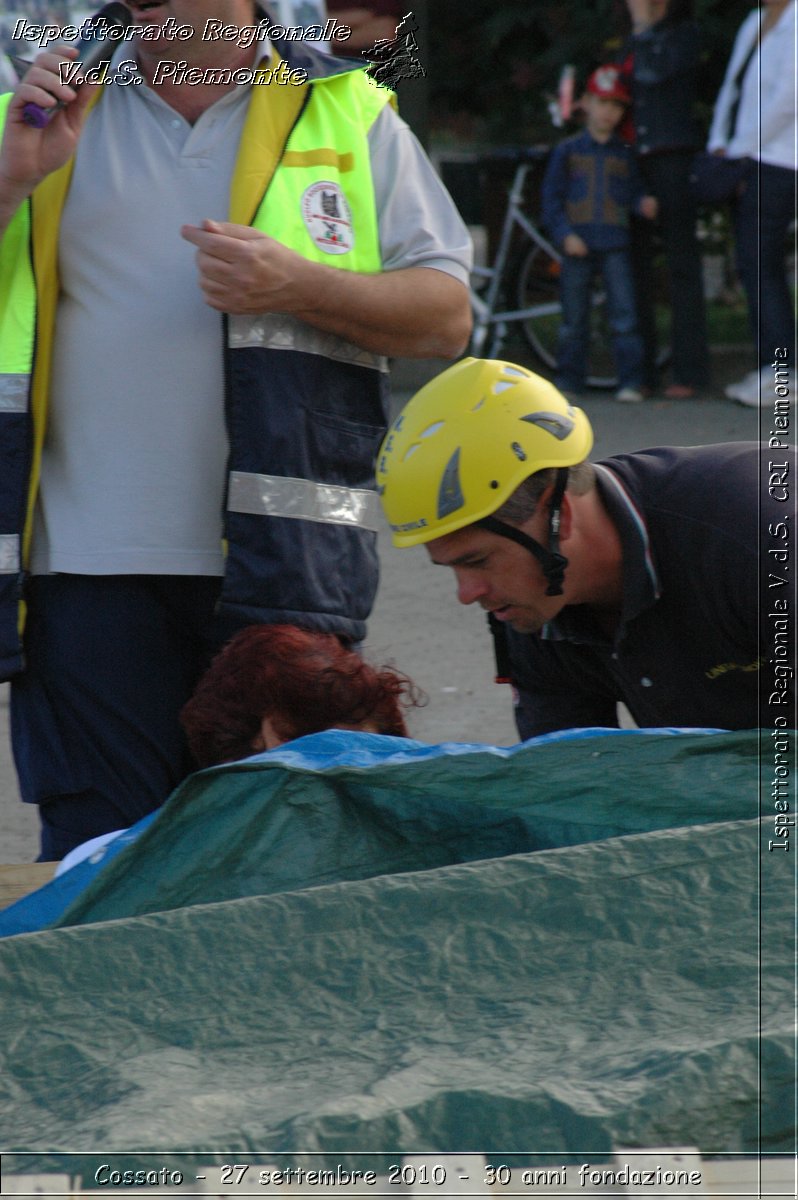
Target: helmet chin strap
552 562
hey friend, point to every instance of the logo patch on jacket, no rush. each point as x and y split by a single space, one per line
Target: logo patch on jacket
328 217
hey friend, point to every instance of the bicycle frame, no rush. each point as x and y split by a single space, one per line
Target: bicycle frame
486 318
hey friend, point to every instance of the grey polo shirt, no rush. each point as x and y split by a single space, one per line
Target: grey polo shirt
133 469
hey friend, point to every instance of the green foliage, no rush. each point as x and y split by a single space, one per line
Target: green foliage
494 65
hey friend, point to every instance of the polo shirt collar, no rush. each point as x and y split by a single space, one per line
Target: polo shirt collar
307 56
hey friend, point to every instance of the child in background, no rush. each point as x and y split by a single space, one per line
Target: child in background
590 187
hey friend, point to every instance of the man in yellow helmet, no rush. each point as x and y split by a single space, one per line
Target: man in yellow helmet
635 579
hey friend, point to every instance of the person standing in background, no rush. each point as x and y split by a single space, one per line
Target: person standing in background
661 60
590 188
754 119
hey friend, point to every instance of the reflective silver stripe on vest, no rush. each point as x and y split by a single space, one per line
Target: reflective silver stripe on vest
277 331
274 496
14 393
9 553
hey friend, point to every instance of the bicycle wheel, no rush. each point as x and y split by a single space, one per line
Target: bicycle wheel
538 289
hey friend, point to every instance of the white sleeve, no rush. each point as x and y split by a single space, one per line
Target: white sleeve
718 134
769 99
419 225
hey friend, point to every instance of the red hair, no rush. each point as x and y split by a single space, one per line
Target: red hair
302 680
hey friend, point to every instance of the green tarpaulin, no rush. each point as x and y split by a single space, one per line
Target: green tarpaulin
631 991
274 824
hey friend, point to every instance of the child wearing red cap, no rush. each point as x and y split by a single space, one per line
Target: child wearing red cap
590 187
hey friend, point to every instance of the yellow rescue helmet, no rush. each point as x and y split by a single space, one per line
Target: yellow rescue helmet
467 440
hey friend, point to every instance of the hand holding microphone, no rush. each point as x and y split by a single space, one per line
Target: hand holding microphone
95 45
34 145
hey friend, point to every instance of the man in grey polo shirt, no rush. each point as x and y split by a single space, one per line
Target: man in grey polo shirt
194 381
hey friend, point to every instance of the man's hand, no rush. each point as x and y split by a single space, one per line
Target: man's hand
649 207
28 154
243 271
574 246
416 312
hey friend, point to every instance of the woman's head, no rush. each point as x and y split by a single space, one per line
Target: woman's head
272 683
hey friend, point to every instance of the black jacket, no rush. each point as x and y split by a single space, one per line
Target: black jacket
664 83
701 639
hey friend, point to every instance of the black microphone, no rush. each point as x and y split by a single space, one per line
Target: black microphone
95 45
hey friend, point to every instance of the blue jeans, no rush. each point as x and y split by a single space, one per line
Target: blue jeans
576 277
761 220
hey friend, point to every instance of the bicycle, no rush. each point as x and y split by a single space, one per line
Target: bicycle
534 286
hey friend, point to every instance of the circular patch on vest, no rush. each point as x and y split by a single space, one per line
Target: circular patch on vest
328 218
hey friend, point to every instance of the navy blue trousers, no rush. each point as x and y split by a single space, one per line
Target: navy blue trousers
111 660
762 219
666 176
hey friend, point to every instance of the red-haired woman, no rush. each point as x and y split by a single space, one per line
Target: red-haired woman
272 683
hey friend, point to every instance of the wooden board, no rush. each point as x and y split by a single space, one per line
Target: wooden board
17 879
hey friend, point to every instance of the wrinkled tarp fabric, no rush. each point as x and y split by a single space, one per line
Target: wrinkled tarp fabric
629 985
576 999
339 806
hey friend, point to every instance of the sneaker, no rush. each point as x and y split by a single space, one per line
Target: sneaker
744 388
629 395
757 390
